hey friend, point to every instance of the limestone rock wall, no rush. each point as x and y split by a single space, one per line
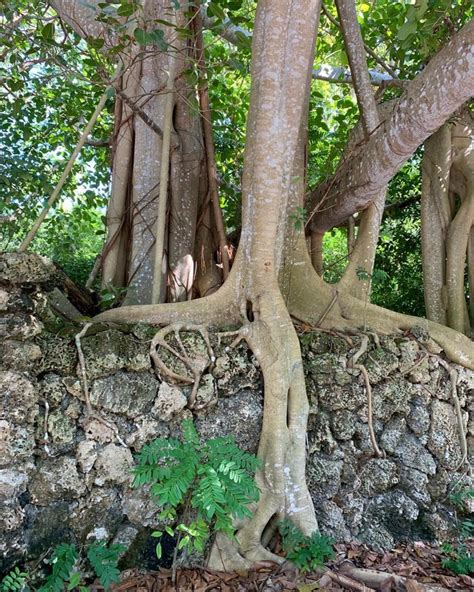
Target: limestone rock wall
65 475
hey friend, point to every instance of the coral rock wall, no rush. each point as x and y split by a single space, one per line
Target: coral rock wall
65 475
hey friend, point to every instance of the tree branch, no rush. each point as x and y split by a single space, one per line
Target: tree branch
445 84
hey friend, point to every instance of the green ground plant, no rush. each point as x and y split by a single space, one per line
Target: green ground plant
307 553
459 558
65 575
213 480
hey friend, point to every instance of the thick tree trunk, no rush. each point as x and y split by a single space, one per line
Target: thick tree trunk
281 71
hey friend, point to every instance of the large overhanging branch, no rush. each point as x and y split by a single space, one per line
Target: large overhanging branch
445 84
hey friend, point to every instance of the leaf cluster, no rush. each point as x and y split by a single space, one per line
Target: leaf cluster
459 559
306 552
213 477
64 575
14 581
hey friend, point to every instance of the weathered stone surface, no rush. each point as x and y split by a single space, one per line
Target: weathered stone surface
11 518
27 268
343 424
415 484
391 397
147 430
12 484
112 350
443 439
235 371
324 476
59 355
47 527
86 455
57 479
378 475
97 516
169 401
61 428
125 392
240 416
380 363
18 355
139 508
53 389
336 397
206 395
113 465
19 327
331 521
320 438
406 447
418 419
18 398
17 443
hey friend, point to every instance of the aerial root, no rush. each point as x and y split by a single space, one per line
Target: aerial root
353 363
196 365
90 413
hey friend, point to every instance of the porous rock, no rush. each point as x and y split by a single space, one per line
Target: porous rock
113 465
128 393
57 479
169 401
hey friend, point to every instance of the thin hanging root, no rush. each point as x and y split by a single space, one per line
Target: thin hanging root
453 375
353 364
196 366
90 413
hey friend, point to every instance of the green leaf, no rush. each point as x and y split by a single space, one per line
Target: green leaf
406 30
140 36
48 32
158 550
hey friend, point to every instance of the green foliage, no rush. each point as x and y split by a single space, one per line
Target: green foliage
306 552
64 575
63 560
459 559
14 581
104 562
214 477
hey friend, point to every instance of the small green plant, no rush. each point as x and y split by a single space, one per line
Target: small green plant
63 561
458 559
15 581
306 552
213 477
104 561
111 296
64 575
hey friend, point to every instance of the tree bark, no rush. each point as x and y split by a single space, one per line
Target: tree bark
363 253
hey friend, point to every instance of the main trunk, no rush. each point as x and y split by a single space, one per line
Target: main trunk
283 46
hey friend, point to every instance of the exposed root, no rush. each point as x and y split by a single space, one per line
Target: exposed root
353 363
216 310
196 366
90 413
453 375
